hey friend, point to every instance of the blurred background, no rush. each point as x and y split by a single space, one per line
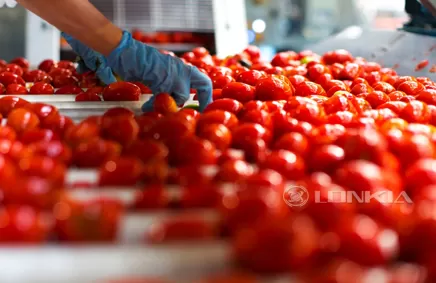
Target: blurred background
180 25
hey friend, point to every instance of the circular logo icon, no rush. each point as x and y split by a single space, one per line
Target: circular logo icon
296 196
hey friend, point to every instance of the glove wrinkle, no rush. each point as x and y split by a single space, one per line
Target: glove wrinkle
90 58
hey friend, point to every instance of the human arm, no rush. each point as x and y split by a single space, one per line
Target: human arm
81 20
128 58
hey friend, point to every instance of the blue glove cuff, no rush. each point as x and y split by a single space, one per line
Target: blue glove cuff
126 41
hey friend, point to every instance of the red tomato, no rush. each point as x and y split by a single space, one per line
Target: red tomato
309 88
121 91
126 171
152 197
85 96
250 77
7 78
291 166
428 96
185 228
416 112
15 69
96 221
21 120
41 88
94 153
24 224
250 131
35 76
69 89
38 135
273 88
411 87
220 81
81 133
44 167
261 256
64 80
191 150
365 242
165 104
47 65
22 62
218 134
238 91
217 117
234 171
54 149
294 142
122 129
16 89
147 150
226 104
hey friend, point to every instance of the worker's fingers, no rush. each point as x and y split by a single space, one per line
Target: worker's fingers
106 75
148 106
203 85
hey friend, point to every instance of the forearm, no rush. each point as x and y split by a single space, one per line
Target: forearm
80 19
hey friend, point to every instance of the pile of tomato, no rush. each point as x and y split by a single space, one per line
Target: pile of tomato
17 78
330 124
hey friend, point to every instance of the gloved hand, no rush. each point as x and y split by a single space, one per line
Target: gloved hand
92 60
135 61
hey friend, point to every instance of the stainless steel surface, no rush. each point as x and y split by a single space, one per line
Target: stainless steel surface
81 110
88 264
390 48
12 32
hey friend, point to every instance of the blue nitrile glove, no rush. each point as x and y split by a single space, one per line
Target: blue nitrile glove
92 61
135 61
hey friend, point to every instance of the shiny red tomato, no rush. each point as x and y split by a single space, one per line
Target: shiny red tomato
38 135
85 96
147 150
47 65
238 91
35 76
273 88
16 89
24 224
94 153
44 167
15 69
192 150
121 91
125 171
250 77
262 256
20 61
69 89
234 171
64 80
220 81
54 149
217 117
122 129
7 78
226 104
218 134
41 88
22 120
91 221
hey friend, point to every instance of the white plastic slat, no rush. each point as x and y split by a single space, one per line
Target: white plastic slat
159 15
